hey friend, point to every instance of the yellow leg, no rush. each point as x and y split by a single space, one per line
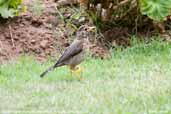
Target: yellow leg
78 72
71 68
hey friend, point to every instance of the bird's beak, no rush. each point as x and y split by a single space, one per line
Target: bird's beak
91 29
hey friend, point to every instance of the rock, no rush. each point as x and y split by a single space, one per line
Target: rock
43 43
33 41
67 15
66 2
82 19
52 20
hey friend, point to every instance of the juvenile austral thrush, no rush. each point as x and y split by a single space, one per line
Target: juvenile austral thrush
76 52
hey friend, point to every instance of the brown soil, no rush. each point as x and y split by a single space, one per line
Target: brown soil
28 34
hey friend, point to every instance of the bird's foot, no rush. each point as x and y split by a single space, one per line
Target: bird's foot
78 72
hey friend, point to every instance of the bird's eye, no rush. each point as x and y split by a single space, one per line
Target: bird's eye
85 29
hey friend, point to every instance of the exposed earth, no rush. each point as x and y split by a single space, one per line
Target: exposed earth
29 34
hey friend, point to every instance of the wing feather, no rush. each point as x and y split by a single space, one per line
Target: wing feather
75 48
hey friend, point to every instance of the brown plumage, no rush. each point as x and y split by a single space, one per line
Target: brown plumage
74 54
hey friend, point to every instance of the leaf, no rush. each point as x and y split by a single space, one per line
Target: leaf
5 12
11 8
2 2
14 3
156 9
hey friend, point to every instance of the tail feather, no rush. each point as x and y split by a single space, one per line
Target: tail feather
45 72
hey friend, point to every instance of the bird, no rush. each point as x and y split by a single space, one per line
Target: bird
74 54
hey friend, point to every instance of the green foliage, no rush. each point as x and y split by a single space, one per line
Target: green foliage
156 9
36 8
11 8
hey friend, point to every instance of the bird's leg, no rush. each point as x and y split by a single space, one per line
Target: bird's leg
70 70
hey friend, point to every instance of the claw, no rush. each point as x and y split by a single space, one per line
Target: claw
78 71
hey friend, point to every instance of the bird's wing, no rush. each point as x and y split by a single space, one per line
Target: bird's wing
75 48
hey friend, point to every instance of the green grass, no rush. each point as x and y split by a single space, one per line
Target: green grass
136 80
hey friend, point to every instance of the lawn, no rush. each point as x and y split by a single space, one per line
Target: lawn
135 80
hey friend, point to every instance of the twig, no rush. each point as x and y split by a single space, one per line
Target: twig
121 4
133 5
11 35
60 14
1 46
2 50
60 50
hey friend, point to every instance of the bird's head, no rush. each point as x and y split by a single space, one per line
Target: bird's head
85 34
85 31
